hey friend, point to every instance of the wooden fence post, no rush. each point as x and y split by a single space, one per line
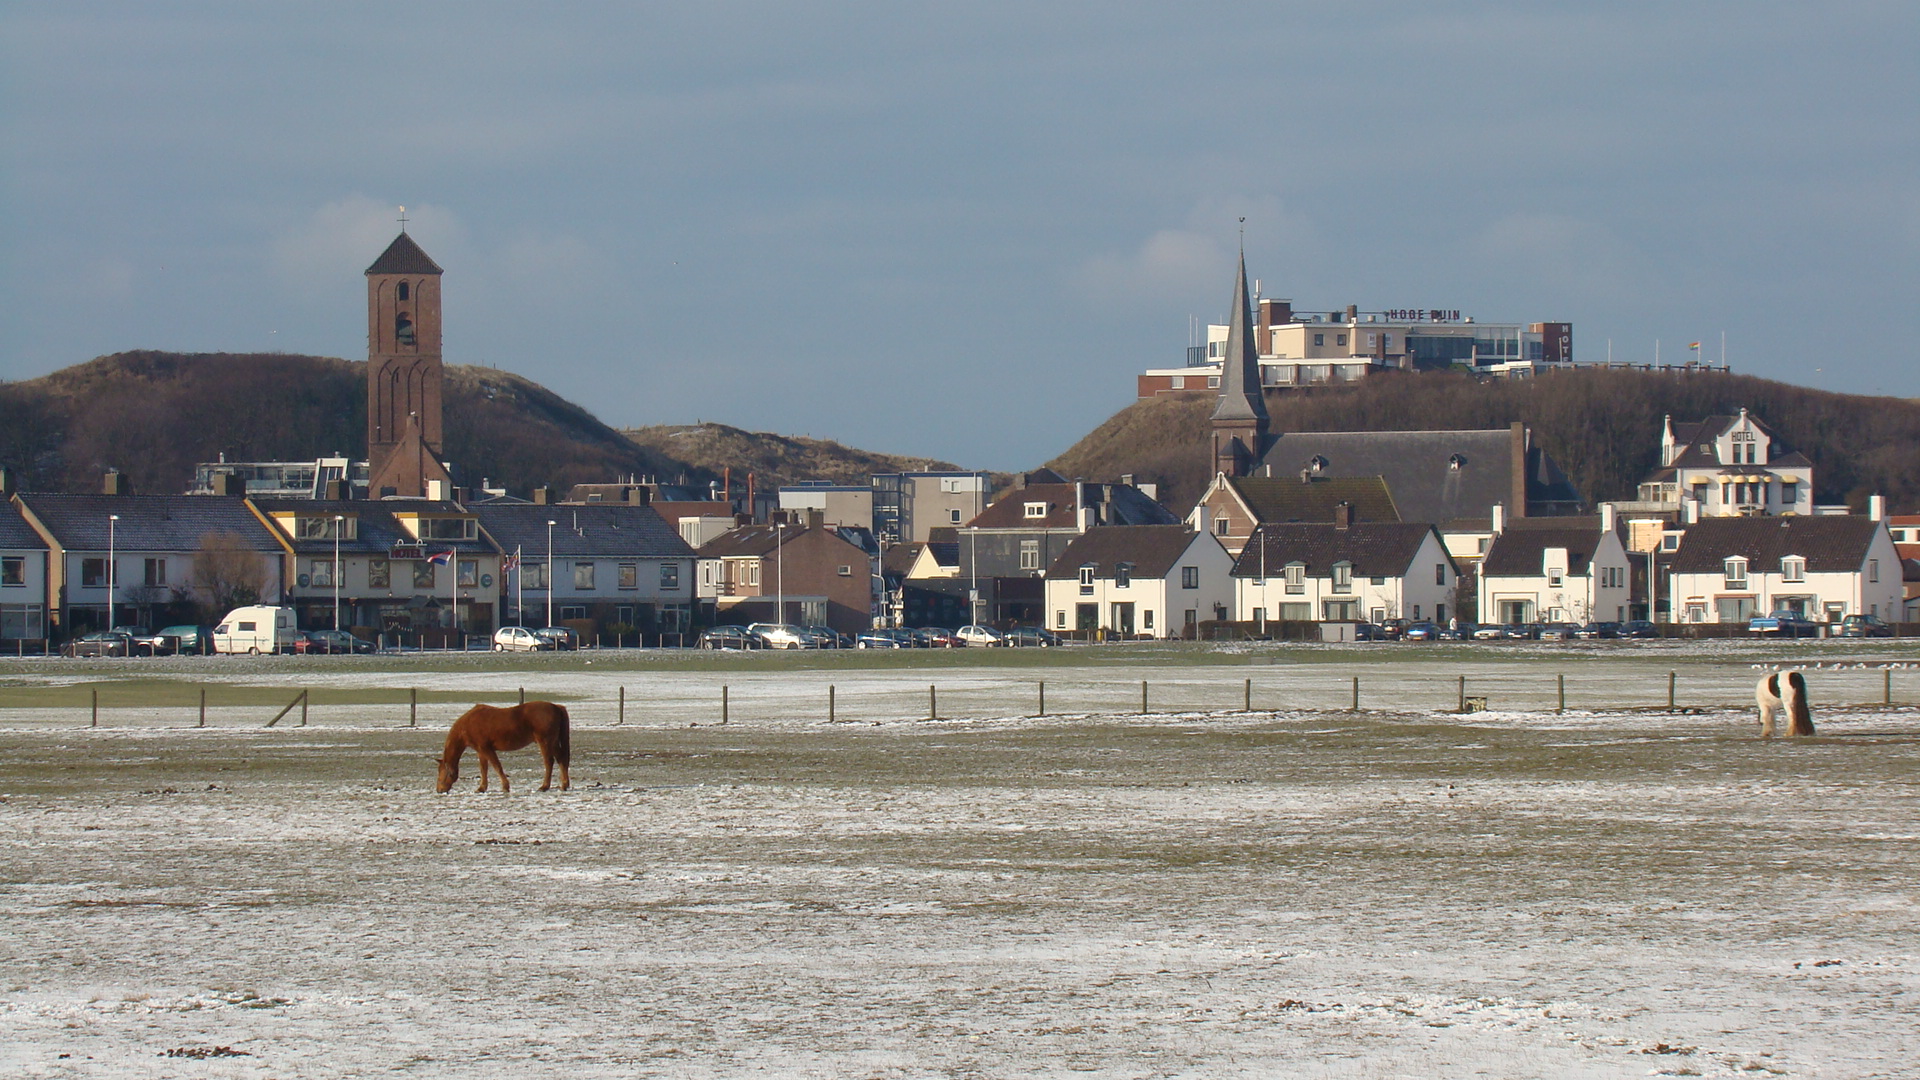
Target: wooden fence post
933 702
95 722
413 706
1886 688
523 695
1143 697
1249 696
1356 693
303 708
723 704
1043 697
203 707
621 716
1463 693
830 711
1671 675
1563 693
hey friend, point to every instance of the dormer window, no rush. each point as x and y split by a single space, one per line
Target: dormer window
403 329
1086 579
1556 577
1035 510
1736 573
1296 577
1122 575
1342 577
1793 568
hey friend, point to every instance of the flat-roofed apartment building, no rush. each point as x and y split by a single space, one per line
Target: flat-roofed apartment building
1302 348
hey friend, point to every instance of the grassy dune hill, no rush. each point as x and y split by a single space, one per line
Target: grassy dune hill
773 459
1602 426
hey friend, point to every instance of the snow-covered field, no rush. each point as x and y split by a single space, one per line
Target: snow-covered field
1197 891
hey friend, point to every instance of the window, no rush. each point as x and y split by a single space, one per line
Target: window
583 575
669 575
1178 382
1086 580
1060 619
1484 541
1793 568
1034 510
1213 382
1556 577
403 292
323 528
1386 342
1736 573
1670 542
1377 581
93 573
629 575
403 329
845 571
1372 340
469 572
1146 619
571 612
753 573
1220 526
1439 573
319 573
1342 576
1319 339
423 574
533 575
1029 554
449 529
1873 570
156 572
1340 339
1296 578
379 574
954 516
1122 575
13 570
1296 612
1189 577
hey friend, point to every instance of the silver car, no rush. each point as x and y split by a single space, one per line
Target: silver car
782 636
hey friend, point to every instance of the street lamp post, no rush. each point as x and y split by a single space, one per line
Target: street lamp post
339 522
112 570
973 575
550 525
780 572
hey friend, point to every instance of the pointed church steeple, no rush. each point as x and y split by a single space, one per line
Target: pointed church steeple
1240 418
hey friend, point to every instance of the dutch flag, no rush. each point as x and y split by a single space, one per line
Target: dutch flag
441 559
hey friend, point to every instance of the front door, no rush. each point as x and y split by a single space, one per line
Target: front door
1123 619
1086 616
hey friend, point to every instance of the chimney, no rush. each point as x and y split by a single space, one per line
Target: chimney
1518 432
1606 517
1499 518
1692 508
1203 517
1126 478
542 496
439 490
1876 507
221 483
1353 313
816 517
6 480
1343 515
336 490
115 483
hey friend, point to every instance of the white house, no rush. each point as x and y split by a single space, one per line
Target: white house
1140 580
620 566
23 579
1570 569
1344 570
1825 567
1731 466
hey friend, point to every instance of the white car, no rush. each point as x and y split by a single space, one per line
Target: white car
519 639
782 636
979 636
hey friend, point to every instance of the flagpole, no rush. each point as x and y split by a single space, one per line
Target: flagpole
454 558
519 596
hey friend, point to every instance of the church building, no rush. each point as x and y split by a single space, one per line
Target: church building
404 373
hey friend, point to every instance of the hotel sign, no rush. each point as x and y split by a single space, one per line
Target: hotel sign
1422 315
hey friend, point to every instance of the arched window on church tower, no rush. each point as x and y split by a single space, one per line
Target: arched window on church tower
403 329
404 291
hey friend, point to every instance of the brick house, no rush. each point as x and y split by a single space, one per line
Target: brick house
822 578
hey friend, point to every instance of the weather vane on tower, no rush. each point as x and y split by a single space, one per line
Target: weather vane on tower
403 219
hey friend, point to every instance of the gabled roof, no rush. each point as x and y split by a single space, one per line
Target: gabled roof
749 541
147 522
1520 550
1374 548
1690 437
1830 544
589 529
1114 504
1437 476
15 533
375 528
900 558
1282 500
403 256
1152 550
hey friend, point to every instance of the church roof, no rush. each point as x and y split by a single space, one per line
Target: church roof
1436 476
1241 397
403 256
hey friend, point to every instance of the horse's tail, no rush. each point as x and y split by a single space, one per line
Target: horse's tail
1796 702
563 741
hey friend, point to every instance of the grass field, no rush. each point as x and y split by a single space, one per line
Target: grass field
1303 890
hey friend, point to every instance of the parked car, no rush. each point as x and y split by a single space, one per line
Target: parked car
1366 631
519 639
1459 630
185 640
884 639
782 636
1420 631
978 637
934 637
1783 623
1638 628
1556 631
1393 629
332 642
562 637
826 637
1864 626
100 643
1520 632
729 637
1595 631
1031 636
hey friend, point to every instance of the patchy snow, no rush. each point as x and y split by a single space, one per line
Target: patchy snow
1199 892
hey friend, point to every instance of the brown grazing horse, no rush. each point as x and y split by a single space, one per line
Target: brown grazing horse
489 730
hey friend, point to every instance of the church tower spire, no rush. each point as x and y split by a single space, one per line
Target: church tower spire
404 371
1240 420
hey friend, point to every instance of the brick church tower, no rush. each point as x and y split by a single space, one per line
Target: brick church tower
1240 421
404 373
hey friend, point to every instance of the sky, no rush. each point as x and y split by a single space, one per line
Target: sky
957 232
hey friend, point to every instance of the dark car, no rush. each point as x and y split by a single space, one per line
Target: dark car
333 641
934 637
1460 630
563 637
826 637
729 637
1638 628
184 640
884 639
1594 631
1864 626
1031 637
1783 623
1421 631
1520 632
100 643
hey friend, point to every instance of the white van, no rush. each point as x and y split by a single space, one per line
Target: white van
256 629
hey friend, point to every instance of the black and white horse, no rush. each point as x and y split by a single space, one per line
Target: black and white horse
1784 691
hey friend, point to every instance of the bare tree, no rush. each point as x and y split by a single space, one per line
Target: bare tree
227 573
